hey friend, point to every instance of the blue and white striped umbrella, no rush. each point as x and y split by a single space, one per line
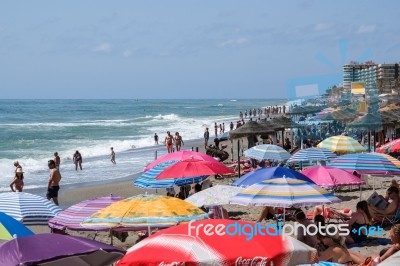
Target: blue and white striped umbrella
148 178
312 154
27 208
267 152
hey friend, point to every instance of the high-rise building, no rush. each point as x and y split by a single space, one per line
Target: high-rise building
351 73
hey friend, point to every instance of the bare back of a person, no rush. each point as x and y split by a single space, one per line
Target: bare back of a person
55 177
340 254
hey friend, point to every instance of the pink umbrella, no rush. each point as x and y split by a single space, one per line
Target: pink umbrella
331 177
180 156
192 168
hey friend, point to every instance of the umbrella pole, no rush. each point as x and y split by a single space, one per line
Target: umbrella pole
238 159
360 191
232 151
148 230
112 240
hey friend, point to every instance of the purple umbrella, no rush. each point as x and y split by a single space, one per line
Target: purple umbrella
60 250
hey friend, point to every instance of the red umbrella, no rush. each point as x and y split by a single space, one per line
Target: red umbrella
388 147
180 156
210 242
193 167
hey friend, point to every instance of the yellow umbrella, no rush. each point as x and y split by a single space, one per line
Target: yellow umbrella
341 144
146 211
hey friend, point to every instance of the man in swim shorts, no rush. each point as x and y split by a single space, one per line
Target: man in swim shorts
169 141
54 182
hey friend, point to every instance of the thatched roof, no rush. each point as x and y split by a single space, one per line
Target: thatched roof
306 109
370 121
250 128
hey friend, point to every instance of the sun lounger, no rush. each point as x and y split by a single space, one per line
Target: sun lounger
391 218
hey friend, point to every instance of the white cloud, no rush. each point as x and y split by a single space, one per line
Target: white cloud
236 42
103 47
322 26
366 28
127 53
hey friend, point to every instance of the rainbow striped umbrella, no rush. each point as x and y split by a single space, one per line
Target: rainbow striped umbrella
284 192
341 144
365 163
267 152
390 158
312 154
148 178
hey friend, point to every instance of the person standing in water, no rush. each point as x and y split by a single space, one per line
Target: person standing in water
18 182
155 139
178 141
112 156
169 141
53 185
57 160
77 158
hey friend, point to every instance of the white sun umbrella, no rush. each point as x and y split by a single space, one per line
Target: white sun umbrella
217 195
27 208
312 154
267 152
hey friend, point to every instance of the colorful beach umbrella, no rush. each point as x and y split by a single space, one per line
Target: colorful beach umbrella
11 228
27 208
265 173
58 250
216 195
72 217
267 152
326 176
387 148
148 178
341 144
284 192
145 211
183 245
192 168
366 163
390 158
180 156
312 154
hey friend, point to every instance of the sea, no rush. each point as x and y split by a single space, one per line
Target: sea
32 130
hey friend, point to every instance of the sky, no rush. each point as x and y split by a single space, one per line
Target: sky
186 49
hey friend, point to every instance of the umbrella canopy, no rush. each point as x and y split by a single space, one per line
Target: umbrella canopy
56 249
326 176
180 156
265 173
181 246
11 228
144 211
390 158
251 128
267 152
193 168
312 154
365 163
369 121
386 148
284 192
27 208
72 217
148 178
341 144
217 195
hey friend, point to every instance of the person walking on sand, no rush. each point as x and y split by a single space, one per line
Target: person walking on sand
77 158
112 156
178 141
155 139
57 160
53 185
18 183
169 141
206 138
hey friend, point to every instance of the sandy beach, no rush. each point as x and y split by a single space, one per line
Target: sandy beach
72 195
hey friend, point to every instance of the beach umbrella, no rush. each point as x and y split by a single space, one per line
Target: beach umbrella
180 156
250 128
145 211
366 163
265 173
326 176
284 192
390 158
267 152
72 217
341 144
27 208
386 147
11 228
192 168
312 154
57 250
148 178
217 195
183 245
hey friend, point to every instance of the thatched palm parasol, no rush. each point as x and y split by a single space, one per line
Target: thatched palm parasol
370 122
251 128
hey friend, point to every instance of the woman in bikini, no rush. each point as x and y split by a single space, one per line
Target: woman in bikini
360 220
178 141
18 182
